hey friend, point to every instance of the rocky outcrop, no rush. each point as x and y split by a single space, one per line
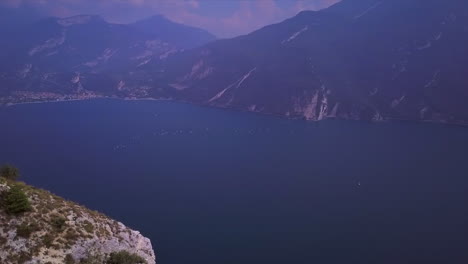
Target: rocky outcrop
55 230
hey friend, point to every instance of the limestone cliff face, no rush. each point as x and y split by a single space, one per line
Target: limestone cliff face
57 231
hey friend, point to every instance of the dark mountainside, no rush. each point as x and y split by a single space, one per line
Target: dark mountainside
359 59
390 59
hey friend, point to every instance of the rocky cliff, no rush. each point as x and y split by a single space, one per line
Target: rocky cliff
57 231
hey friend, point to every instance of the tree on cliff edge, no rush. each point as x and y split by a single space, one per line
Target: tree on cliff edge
9 172
16 201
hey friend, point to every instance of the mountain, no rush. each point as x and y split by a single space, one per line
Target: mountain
358 59
89 43
53 230
53 54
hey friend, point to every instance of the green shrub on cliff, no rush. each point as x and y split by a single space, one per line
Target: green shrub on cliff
25 230
16 201
125 257
58 222
69 259
93 259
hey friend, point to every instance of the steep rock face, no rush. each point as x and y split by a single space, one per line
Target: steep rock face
55 228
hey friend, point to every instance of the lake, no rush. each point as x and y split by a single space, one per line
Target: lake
215 186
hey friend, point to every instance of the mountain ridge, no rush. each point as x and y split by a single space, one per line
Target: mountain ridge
77 57
358 59
346 55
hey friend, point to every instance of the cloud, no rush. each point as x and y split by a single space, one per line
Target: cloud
239 16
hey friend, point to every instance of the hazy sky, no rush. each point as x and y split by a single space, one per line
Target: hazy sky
224 18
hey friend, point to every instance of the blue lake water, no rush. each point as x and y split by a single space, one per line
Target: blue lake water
218 187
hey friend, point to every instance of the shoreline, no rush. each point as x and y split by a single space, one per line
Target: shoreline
48 101
81 99
386 120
